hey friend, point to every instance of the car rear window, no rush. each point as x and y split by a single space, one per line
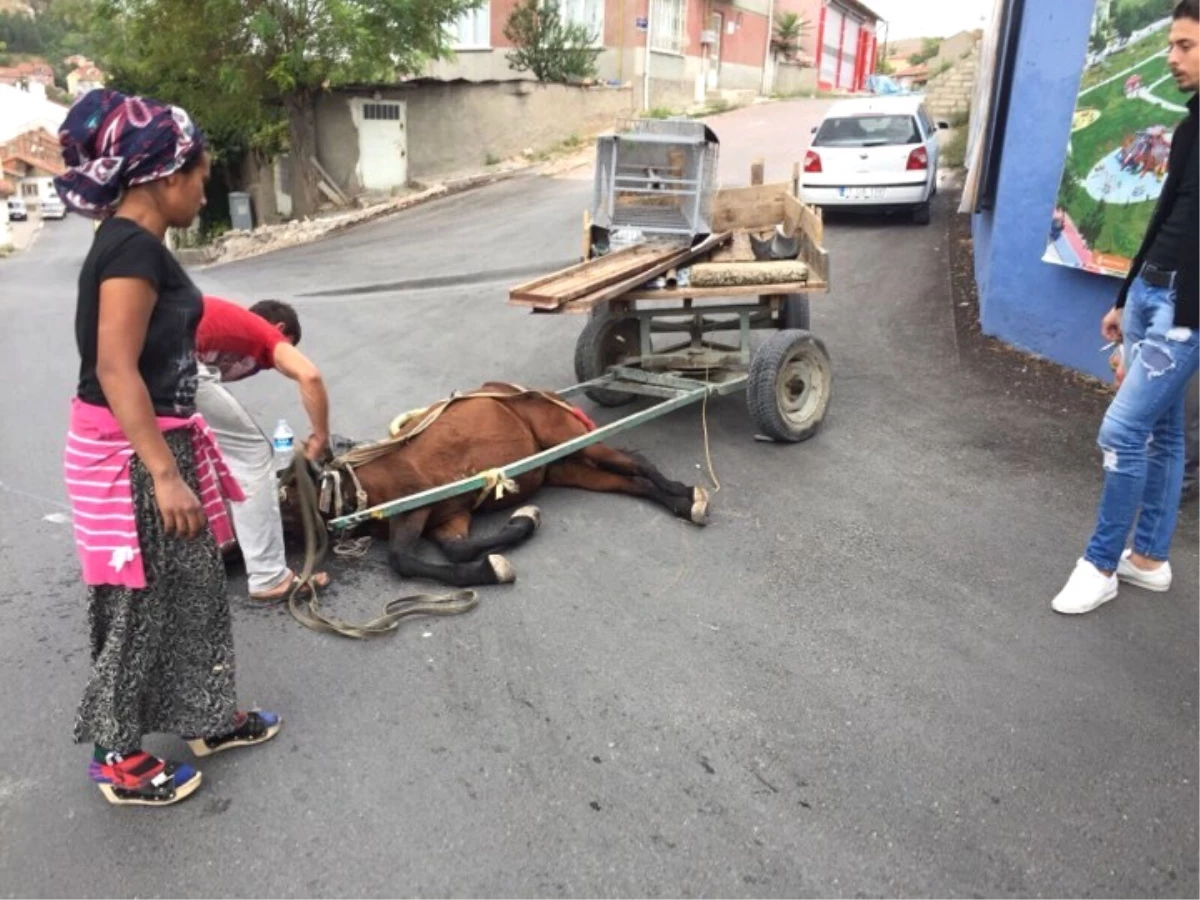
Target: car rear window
867 131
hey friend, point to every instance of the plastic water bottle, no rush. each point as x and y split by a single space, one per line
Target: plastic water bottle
284 442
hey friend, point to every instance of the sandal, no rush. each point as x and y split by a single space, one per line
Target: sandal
282 591
249 728
140 779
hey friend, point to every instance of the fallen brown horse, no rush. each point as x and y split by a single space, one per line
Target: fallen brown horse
480 432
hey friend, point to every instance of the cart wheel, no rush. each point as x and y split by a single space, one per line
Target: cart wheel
794 312
789 387
605 342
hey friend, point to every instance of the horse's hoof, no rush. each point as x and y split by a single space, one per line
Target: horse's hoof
530 512
700 506
505 573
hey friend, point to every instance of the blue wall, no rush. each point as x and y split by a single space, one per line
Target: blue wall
1044 308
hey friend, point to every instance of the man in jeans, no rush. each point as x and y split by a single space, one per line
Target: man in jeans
1156 315
234 343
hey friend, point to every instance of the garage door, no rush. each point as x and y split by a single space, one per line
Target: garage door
831 45
382 145
849 55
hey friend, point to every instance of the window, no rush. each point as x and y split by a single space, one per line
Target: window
589 13
868 131
382 112
29 189
473 29
668 26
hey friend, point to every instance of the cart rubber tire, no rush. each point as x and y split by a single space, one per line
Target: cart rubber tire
601 344
789 386
921 214
794 312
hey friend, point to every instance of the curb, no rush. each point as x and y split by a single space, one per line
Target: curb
204 257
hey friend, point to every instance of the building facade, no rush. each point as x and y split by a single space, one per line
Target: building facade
676 53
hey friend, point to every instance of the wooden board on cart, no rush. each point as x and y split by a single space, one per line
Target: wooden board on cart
553 290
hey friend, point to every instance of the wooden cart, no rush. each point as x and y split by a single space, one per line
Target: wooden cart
656 341
654 312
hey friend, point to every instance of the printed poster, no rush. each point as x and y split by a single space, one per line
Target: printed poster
1125 117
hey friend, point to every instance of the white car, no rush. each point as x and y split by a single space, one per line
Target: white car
53 208
874 153
17 210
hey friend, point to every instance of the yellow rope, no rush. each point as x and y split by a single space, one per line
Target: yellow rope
497 484
712 473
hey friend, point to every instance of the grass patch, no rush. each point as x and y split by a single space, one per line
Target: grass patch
954 154
659 112
1119 62
492 160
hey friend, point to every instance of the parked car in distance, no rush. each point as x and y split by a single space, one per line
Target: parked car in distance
874 153
17 210
53 208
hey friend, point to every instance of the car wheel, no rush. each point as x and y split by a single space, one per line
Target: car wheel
920 214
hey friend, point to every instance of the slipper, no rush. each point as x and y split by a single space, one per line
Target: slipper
283 590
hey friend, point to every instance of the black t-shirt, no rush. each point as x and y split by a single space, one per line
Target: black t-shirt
123 249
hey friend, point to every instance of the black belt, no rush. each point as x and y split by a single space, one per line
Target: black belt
1156 277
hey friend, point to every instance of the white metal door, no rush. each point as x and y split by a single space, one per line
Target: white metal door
382 145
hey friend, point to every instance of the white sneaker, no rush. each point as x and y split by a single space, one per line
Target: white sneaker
1086 589
1148 579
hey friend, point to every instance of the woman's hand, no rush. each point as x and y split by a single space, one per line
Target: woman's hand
181 511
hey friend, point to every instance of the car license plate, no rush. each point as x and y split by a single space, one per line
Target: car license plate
862 193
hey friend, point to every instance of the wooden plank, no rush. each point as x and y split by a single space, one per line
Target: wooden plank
677 295
737 250
332 184
614 291
758 207
586 277
797 214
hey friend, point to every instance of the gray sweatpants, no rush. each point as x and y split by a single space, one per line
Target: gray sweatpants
251 461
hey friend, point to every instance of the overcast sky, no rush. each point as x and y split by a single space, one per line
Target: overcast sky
931 18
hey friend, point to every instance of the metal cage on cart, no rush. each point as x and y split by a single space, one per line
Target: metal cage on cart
657 179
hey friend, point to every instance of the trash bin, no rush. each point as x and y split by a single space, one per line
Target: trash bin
240 212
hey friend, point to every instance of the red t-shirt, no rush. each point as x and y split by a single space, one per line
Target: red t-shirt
235 340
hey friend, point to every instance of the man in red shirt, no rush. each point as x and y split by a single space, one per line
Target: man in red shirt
233 343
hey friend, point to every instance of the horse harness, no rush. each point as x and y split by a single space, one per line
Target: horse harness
340 492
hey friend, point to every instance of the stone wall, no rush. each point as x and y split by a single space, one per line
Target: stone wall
949 94
458 127
791 80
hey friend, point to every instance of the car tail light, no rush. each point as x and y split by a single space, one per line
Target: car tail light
918 159
812 162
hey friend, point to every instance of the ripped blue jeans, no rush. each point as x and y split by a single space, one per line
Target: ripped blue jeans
1142 435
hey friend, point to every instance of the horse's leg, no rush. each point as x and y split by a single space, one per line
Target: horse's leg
454 539
577 474
406 530
612 460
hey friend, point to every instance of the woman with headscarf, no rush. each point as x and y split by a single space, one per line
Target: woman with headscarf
146 480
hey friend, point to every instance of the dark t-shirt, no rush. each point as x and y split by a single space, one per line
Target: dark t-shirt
1177 237
123 249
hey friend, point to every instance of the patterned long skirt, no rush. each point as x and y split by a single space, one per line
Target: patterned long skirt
162 656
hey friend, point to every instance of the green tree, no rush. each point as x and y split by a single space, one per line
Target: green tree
882 64
789 29
553 50
243 67
929 49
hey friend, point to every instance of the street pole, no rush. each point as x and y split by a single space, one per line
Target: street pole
766 74
646 64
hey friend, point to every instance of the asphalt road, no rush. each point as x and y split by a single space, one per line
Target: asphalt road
849 684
